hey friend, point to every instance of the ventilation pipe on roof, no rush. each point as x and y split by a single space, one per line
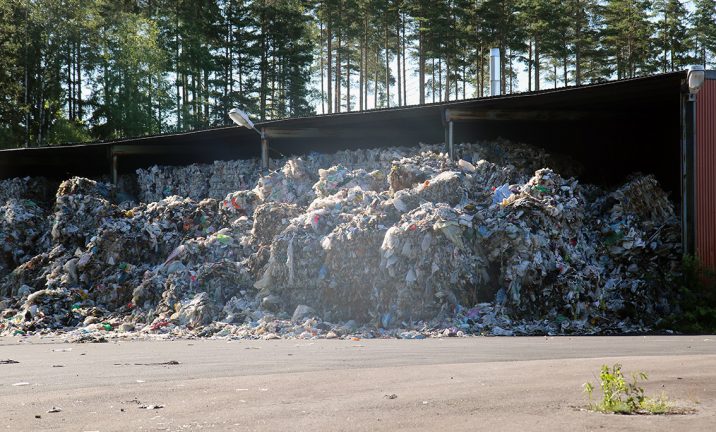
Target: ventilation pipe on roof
495 72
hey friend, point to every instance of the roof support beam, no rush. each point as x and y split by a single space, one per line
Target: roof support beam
472 114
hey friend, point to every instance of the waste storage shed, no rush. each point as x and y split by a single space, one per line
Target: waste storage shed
649 124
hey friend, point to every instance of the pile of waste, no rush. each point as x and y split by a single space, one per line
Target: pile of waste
391 242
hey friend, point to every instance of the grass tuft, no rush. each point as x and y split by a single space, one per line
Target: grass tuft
622 396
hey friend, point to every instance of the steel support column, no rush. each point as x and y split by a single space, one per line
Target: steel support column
688 162
264 150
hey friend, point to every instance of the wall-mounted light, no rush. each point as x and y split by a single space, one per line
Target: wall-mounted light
695 78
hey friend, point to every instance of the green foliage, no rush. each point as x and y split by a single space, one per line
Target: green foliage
103 69
703 32
622 396
672 36
68 131
696 300
628 37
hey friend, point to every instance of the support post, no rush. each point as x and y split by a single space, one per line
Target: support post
114 167
451 146
688 163
264 150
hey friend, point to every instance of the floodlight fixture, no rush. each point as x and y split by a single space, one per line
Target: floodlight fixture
242 120
695 78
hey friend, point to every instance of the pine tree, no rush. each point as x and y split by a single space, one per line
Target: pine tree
627 37
535 19
286 55
417 11
12 56
128 77
703 32
502 29
672 35
584 22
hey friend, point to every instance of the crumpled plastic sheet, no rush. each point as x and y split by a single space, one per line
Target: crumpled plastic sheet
271 218
339 177
398 242
23 228
197 181
291 184
428 265
36 189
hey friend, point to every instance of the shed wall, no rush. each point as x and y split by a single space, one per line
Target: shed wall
706 174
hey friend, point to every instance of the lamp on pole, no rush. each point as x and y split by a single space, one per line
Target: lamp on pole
241 119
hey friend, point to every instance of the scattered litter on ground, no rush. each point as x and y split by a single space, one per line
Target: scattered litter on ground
168 363
151 407
362 244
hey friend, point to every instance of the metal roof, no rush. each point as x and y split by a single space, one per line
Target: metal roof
569 119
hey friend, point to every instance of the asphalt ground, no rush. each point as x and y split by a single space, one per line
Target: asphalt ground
450 384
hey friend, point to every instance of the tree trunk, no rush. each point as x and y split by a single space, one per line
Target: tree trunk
178 79
503 68
70 85
510 57
329 64
537 64
323 88
366 79
578 55
375 81
666 44
440 79
159 110
421 66
42 113
447 78
361 64
480 72
397 46
207 103
150 108
554 65
405 76
274 78
348 77
432 86
464 80
387 69
27 72
529 66
364 65
338 67
263 67
78 80
194 111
